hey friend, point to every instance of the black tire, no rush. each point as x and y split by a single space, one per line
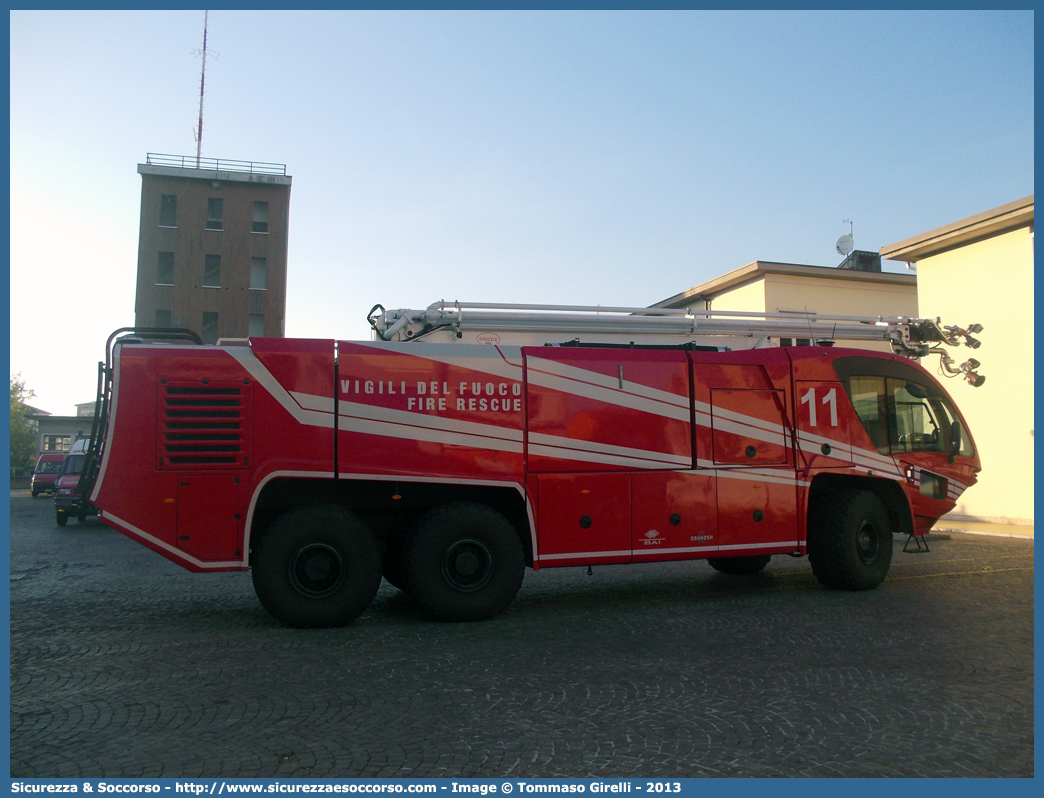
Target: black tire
63 519
391 563
740 566
463 562
36 493
850 540
82 517
317 565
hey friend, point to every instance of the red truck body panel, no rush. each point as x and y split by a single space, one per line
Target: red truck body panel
618 454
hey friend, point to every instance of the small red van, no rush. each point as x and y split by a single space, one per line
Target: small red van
46 472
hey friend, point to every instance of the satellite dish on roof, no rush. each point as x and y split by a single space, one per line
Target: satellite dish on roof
845 245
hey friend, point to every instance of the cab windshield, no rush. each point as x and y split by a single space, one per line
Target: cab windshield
73 464
49 467
900 410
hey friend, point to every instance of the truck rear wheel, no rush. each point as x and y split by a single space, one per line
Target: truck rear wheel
463 562
850 540
317 565
63 519
740 566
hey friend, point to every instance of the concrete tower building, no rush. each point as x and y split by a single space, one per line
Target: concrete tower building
212 246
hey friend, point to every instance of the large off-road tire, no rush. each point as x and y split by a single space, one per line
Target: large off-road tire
463 562
849 540
740 566
63 519
317 565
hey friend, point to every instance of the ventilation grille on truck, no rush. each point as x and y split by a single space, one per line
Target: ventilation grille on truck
204 426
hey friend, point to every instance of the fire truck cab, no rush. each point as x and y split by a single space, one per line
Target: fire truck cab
448 468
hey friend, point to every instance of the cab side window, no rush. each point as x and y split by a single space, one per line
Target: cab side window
915 426
867 395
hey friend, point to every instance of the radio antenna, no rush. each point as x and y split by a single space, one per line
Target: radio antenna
202 83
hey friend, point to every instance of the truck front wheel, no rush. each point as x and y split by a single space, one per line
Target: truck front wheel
850 540
317 565
463 562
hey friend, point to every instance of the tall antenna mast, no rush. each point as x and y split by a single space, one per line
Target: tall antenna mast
202 83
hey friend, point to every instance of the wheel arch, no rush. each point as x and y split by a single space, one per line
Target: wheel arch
373 500
888 491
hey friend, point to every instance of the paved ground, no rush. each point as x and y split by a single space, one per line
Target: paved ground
122 664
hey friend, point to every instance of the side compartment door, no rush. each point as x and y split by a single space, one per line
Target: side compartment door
596 419
743 408
584 518
673 515
208 526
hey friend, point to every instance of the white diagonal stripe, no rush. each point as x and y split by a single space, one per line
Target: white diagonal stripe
393 430
574 373
559 453
683 550
245 356
592 447
776 436
612 396
573 555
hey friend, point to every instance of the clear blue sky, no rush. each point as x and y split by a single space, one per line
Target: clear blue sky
575 157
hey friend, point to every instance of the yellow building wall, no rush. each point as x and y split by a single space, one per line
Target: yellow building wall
745 297
991 282
845 297
785 292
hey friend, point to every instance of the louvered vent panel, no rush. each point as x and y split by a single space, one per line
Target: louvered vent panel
204 426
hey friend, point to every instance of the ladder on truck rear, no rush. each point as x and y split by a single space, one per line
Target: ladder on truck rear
586 325
103 399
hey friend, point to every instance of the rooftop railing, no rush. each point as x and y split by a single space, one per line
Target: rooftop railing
215 164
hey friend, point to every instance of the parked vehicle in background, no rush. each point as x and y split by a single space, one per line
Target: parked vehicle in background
46 472
68 499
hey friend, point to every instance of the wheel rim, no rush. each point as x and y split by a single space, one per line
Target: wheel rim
317 570
867 542
467 565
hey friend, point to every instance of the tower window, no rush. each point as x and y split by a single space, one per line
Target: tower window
168 210
210 328
215 214
165 269
260 218
257 325
258 274
212 271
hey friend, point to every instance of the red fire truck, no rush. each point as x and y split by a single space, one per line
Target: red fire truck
466 443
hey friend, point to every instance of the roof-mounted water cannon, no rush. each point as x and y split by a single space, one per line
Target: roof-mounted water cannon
974 343
967 369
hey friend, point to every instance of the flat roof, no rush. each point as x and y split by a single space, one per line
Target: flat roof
983 225
761 268
226 176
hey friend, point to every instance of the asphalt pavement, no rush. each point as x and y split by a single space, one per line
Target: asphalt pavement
123 664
